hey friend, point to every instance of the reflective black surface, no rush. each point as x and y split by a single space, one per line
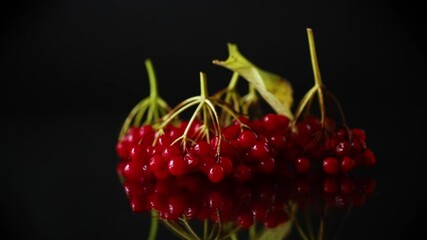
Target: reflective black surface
71 71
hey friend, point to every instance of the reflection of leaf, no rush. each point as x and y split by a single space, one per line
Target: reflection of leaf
273 88
279 232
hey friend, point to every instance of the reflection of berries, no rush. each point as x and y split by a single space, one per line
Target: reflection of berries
262 199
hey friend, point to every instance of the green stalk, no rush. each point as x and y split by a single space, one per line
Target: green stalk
316 72
153 225
205 229
252 232
203 86
151 79
233 81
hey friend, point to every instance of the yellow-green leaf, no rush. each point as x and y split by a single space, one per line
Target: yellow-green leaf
279 232
275 90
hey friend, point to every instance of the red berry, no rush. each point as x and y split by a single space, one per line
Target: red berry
122 149
274 122
120 167
330 185
302 165
177 166
277 141
242 173
193 162
157 163
133 170
216 173
245 219
347 185
227 164
259 210
368 157
246 139
215 200
170 151
201 149
206 164
176 204
342 149
260 150
359 134
267 165
347 164
231 132
331 165
139 153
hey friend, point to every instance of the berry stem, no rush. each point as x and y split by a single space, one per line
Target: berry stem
177 229
205 229
190 229
252 232
203 86
153 225
151 78
233 82
316 73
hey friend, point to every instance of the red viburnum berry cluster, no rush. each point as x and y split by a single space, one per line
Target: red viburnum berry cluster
245 148
262 200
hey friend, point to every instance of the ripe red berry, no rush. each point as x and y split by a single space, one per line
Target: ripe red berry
277 141
227 164
122 149
275 122
260 150
216 173
193 162
133 170
267 165
342 149
368 157
157 163
347 164
242 173
170 151
246 139
330 185
331 165
201 149
302 165
245 219
359 134
177 166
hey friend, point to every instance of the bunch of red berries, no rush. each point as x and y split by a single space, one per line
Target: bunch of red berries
245 148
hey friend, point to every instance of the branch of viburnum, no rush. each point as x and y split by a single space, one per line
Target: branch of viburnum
318 85
153 106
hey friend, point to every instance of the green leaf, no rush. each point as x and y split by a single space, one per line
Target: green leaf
274 89
279 232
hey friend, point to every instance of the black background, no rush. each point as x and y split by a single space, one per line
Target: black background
71 71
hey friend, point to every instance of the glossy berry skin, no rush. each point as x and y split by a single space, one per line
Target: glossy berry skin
216 173
133 170
246 139
260 150
177 166
347 164
331 165
302 165
342 149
